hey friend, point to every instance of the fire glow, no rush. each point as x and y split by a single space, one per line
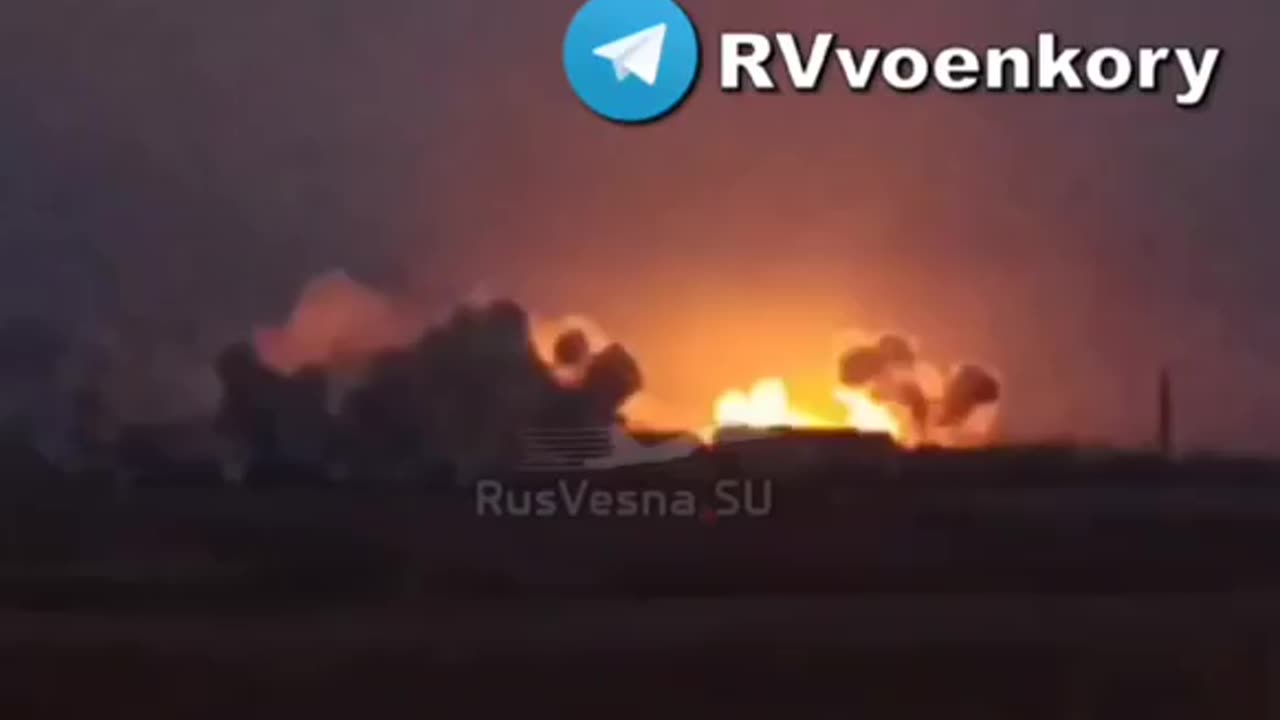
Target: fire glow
567 372
767 404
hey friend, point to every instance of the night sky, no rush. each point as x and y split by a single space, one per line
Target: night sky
175 170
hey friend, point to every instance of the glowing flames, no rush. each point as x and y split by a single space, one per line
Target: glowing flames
767 404
880 384
867 414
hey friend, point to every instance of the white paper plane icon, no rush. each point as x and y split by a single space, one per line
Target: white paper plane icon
637 54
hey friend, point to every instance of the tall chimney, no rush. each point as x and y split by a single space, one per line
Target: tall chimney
1165 428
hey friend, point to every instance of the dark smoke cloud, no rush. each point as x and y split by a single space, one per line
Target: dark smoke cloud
459 395
968 388
571 348
896 351
892 370
612 376
860 366
863 365
910 395
251 398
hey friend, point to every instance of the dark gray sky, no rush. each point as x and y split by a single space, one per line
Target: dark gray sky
175 169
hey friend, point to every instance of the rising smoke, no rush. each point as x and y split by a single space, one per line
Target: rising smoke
357 379
891 370
571 349
969 388
456 392
338 322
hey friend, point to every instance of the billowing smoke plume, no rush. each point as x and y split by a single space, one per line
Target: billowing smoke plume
969 387
456 394
338 321
942 407
572 348
357 379
863 365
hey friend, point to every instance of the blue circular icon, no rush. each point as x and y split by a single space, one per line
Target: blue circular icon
631 61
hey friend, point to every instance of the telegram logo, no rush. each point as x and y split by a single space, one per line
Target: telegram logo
631 61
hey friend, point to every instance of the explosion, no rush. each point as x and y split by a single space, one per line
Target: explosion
491 368
885 388
359 383
767 404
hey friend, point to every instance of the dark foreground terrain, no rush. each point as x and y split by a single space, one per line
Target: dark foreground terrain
1044 602
880 657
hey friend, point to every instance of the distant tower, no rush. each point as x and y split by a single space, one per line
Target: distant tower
1165 429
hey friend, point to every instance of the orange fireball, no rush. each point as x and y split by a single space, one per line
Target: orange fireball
767 404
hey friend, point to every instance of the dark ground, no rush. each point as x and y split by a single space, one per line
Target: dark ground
1048 602
882 657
